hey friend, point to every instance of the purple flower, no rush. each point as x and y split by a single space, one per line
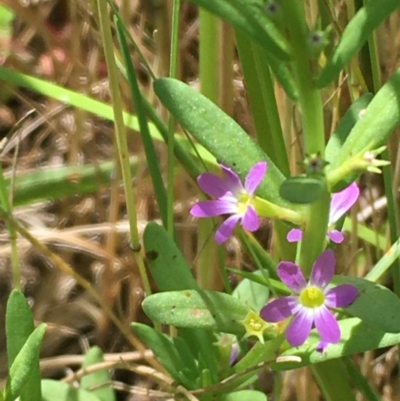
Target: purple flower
341 202
310 302
233 198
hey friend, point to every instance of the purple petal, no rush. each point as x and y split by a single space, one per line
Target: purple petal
255 176
212 208
213 185
232 179
321 347
225 230
341 296
326 325
250 220
323 269
294 235
342 201
300 327
336 236
291 275
279 309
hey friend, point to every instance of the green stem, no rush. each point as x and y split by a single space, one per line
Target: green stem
5 202
311 107
314 234
171 123
120 133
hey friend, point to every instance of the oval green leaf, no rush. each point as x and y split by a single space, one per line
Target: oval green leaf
252 293
56 390
24 363
210 310
302 190
375 304
244 395
96 381
219 134
167 265
165 351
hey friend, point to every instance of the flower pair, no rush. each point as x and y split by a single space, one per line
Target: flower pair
238 200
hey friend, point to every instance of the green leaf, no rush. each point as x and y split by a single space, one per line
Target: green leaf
252 293
302 189
372 131
357 337
54 183
346 124
357 32
248 17
210 310
24 364
19 326
165 351
99 378
244 395
375 304
167 265
55 390
219 133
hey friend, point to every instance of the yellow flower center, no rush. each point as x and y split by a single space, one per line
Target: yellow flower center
243 201
312 297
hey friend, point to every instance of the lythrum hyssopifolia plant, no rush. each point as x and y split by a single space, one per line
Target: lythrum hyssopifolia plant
303 298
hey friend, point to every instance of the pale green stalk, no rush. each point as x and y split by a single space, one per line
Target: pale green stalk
5 202
173 63
208 64
333 383
311 110
120 132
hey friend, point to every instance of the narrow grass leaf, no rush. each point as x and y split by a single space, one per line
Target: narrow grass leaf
96 382
23 366
250 18
19 326
357 32
58 182
218 133
56 390
151 156
97 108
209 310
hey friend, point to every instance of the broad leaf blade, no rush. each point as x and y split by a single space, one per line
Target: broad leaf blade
168 267
165 351
210 310
375 304
24 365
98 379
19 326
357 336
56 390
219 133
